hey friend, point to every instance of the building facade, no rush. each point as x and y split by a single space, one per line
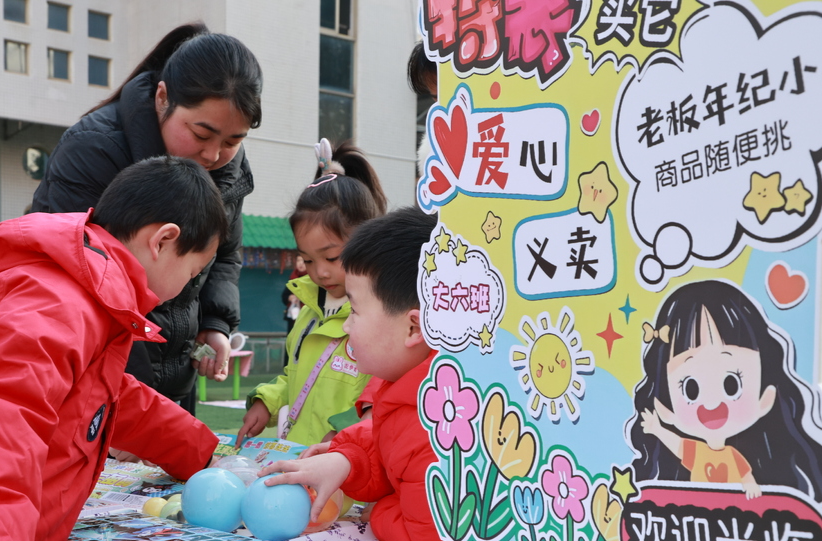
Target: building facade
331 68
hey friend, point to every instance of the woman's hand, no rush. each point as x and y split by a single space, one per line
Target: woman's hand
216 367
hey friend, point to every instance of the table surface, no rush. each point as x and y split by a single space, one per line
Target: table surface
116 504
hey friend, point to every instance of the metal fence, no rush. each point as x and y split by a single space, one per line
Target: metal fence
269 351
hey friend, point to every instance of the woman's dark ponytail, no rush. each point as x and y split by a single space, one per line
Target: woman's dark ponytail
157 58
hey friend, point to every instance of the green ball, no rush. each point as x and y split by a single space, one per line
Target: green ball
173 510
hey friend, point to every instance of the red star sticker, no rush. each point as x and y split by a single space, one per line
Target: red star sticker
609 335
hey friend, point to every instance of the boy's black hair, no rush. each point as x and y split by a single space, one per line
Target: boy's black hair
165 189
421 71
387 250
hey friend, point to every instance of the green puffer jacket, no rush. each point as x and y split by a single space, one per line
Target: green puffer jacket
339 384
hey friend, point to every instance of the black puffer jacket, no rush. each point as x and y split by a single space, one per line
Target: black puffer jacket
85 161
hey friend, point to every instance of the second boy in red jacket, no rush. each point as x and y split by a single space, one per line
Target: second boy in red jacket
384 459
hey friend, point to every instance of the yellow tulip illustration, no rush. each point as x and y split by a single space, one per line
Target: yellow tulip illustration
511 450
511 453
606 514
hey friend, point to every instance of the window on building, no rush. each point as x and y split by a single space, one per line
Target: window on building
58 64
336 15
58 15
98 25
336 70
98 71
14 10
16 57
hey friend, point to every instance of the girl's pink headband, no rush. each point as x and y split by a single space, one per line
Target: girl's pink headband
322 180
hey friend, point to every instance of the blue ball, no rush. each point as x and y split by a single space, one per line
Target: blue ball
211 499
275 513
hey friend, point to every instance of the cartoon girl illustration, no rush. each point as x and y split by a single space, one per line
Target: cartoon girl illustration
720 402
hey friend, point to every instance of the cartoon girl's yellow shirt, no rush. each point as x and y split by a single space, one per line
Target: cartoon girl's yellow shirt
726 465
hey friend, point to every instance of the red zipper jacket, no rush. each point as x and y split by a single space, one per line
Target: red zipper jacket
72 299
389 456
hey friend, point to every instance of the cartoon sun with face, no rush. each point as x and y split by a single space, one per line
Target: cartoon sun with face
551 365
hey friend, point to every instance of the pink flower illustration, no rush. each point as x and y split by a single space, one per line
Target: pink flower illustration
566 489
452 407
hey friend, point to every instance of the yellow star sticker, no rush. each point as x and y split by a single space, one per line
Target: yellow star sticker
459 252
491 227
796 197
430 265
485 336
442 240
597 192
764 197
622 484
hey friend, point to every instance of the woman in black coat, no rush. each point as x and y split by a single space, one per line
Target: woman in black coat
195 95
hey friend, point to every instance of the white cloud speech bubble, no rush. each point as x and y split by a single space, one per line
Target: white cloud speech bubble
463 296
703 191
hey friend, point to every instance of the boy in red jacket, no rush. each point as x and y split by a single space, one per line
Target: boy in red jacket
384 459
74 290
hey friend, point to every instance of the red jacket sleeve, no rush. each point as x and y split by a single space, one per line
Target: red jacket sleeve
367 480
405 515
156 429
399 515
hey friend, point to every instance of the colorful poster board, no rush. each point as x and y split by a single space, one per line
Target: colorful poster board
624 283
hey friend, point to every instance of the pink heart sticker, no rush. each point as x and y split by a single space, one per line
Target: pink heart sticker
590 122
786 288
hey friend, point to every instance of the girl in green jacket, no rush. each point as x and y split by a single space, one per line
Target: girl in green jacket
322 379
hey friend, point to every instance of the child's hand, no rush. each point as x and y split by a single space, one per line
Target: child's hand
123 456
316 449
254 422
325 473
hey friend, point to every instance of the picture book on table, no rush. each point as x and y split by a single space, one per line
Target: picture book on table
127 485
134 525
263 451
